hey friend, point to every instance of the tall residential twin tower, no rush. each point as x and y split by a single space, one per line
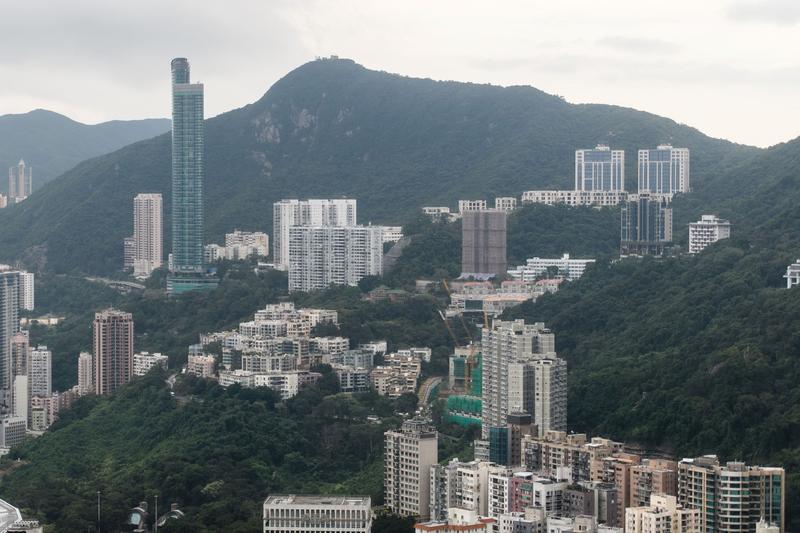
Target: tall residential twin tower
187 271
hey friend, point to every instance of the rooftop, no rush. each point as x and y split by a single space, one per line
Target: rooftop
315 499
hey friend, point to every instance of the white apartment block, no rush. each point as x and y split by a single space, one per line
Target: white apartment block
471 205
12 431
20 397
376 347
793 275
333 255
352 379
329 345
85 373
287 384
148 238
575 198
459 484
600 169
201 365
289 213
312 514
509 342
423 354
40 372
244 378
392 233
409 454
143 362
248 243
261 362
438 214
505 203
663 515
27 291
535 267
706 231
393 381
664 170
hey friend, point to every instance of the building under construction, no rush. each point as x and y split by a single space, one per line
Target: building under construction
483 243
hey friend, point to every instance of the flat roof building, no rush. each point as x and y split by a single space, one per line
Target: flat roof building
312 513
706 231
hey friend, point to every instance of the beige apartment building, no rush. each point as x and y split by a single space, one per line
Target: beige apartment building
409 454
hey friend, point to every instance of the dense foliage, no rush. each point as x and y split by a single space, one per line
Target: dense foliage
333 128
216 452
692 355
52 144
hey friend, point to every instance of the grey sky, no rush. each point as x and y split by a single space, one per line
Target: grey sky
727 67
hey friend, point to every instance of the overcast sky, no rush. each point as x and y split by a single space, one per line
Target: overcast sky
728 67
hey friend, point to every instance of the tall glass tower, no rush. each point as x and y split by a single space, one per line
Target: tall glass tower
186 267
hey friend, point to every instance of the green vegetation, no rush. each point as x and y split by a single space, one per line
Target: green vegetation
217 452
52 143
691 355
333 128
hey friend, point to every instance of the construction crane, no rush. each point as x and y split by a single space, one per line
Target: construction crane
471 361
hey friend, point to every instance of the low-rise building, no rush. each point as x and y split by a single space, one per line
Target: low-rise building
423 354
575 198
440 214
352 379
143 362
201 365
706 231
505 203
536 267
663 515
12 431
471 205
793 275
458 521
311 513
392 233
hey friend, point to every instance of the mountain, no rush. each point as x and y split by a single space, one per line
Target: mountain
331 128
52 144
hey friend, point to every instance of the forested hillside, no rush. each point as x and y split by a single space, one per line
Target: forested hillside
333 128
52 144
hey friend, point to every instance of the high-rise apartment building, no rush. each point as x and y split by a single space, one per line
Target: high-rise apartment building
483 242
322 514
128 252
147 234
664 170
113 350
27 291
409 454
289 213
706 231
21 398
732 498
40 372
20 350
85 373
320 256
661 515
557 452
600 169
20 182
645 225
652 476
186 270
10 284
521 373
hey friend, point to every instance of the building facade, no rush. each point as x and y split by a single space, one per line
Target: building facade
148 234
536 267
733 497
85 373
143 362
40 372
505 203
20 182
662 515
320 256
113 350
706 231
574 198
483 242
664 170
188 155
10 293
409 454
471 205
600 169
645 225
289 213
322 514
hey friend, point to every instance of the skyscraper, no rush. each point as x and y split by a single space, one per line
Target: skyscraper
601 169
147 234
187 272
40 382
409 455
522 374
288 213
645 224
113 350
664 170
9 325
20 181
483 242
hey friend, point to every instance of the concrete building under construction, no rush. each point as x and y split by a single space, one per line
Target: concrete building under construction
483 244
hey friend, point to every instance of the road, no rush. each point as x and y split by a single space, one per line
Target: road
427 388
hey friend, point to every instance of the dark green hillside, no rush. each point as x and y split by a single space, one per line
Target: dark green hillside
693 354
333 128
52 143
